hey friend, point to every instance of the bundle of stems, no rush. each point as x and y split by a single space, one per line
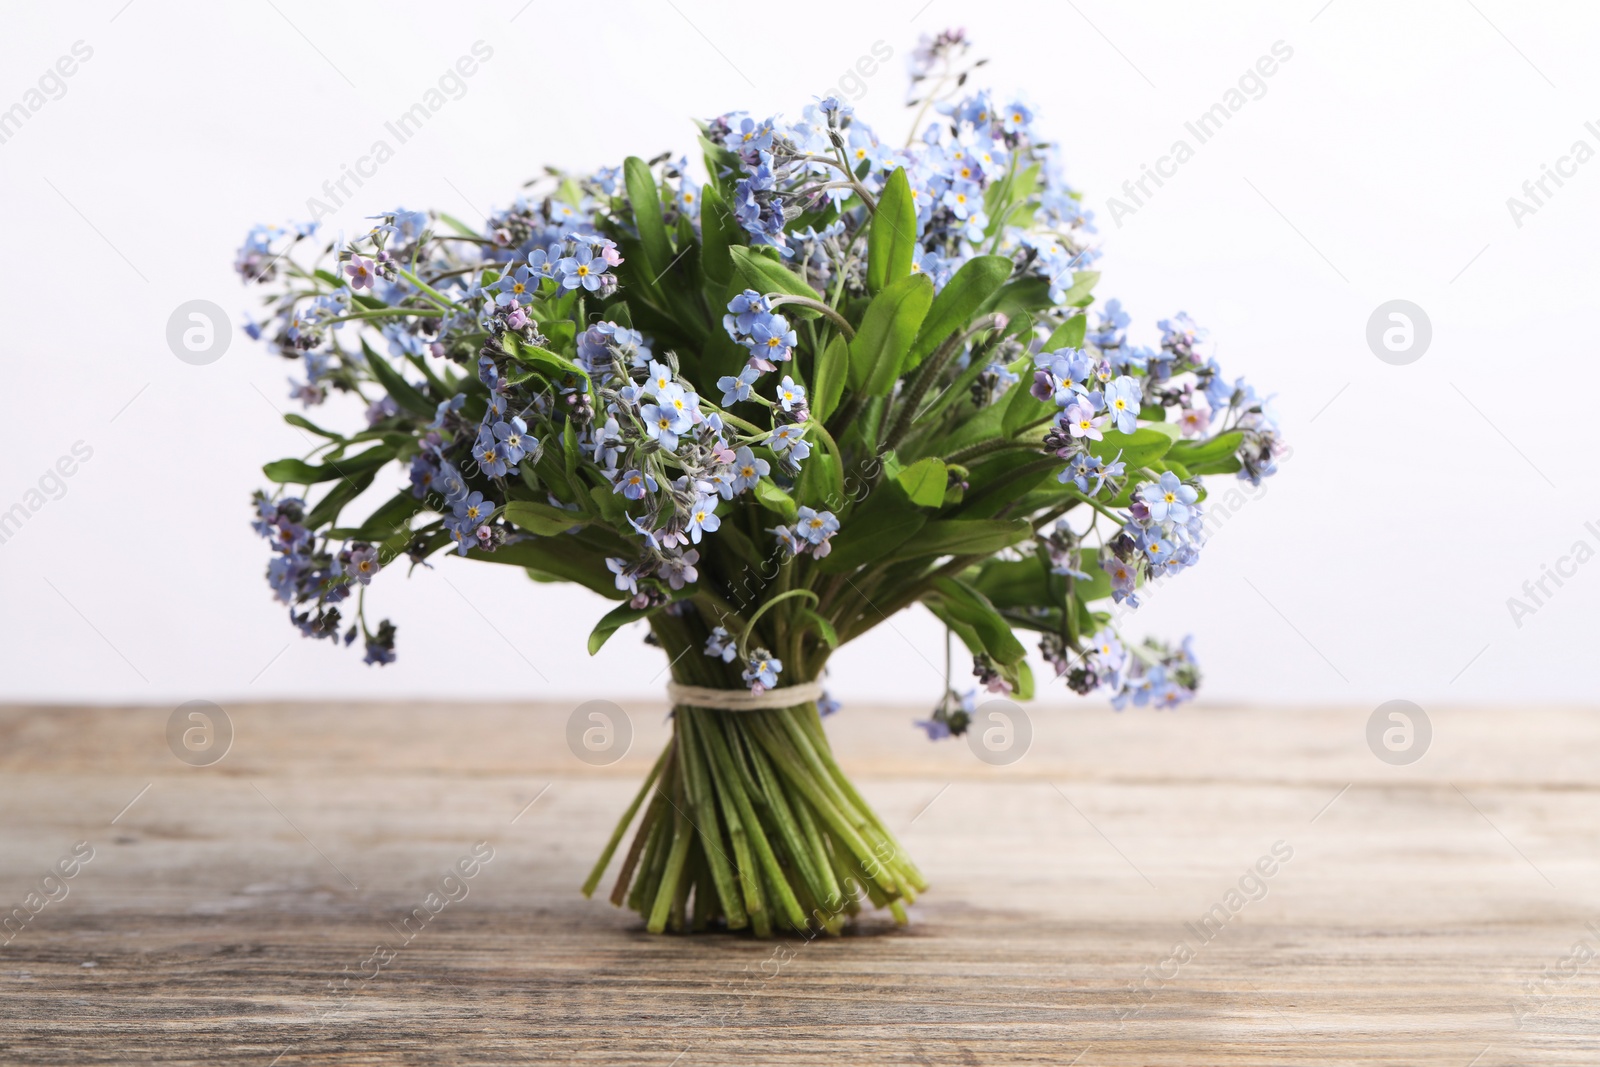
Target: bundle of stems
748 822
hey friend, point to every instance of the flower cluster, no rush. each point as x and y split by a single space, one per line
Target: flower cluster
828 156
810 532
512 375
305 573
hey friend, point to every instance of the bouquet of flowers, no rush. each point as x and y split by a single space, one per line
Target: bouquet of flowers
762 411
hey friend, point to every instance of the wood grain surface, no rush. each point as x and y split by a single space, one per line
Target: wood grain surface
1092 903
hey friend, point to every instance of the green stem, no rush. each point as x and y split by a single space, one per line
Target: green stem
750 627
444 301
622 826
779 299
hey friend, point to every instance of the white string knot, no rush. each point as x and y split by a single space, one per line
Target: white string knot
788 696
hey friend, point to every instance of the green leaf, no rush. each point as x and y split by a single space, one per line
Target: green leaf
392 516
621 616
776 500
565 558
1029 293
878 353
569 453
546 520
1023 408
1080 295
958 302
832 367
823 626
973 608
718 231
892 244
822 482
755 270
885 520
962 537
1198 453
329 507
924 482
1139 449
1004 479
304 423
611 505
1068 335
299 472
645 200
397 387
1229 465
556 367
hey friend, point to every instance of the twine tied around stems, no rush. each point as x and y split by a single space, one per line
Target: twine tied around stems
788 696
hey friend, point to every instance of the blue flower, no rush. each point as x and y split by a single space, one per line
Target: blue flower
788 438
1168 499
721 645
1122 403
1083 470
1122 579
450 484
635 484
737 389
627 576
659 423
790 542
815 526
790 394
826 705
703 517
1016 117
963 199
682 407
762 672
743 311
748 469
445 409
473 510
513 436
517 288
771 339
582 268
1113 321
1159 549
490 454
362 563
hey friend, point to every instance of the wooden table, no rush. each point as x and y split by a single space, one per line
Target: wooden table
230 914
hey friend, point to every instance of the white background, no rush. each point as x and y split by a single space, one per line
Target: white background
1377 166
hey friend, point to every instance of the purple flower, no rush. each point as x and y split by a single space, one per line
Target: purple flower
362 272
1081 421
